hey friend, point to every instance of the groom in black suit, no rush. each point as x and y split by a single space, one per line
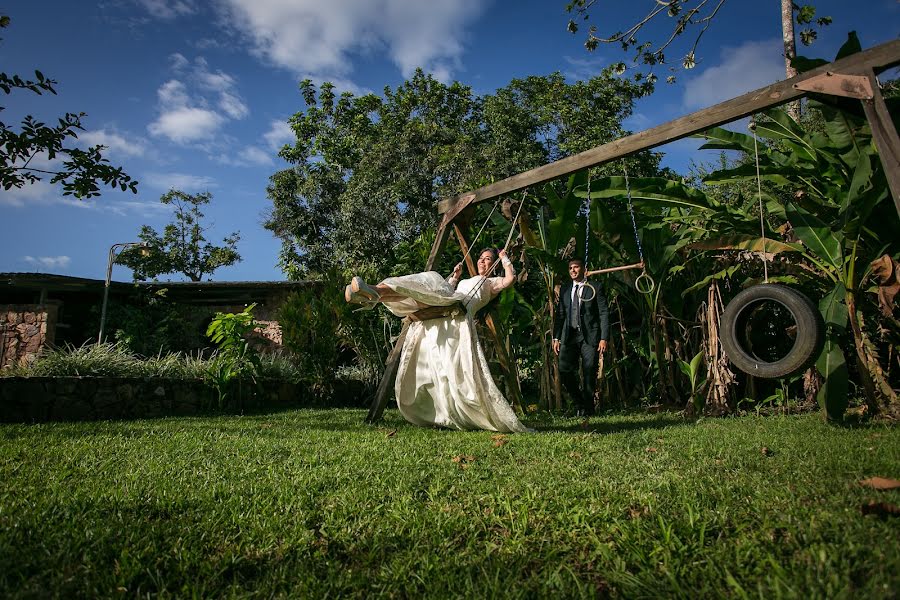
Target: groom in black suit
580 334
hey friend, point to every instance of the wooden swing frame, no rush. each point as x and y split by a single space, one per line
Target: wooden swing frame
850 77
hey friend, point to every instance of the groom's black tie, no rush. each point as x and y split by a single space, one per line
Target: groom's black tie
575 313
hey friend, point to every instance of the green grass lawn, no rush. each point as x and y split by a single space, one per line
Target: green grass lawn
313 503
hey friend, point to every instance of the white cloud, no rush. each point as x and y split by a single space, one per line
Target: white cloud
179 181
319 39
185 125
637 122
279 134
251 156
48 262
173 94
168 9
255 155
115 142
186 113
178 62
233 106
582 69
30 193
742 69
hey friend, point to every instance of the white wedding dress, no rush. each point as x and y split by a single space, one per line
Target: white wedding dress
443 379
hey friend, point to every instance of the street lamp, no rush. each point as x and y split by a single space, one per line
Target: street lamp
114 251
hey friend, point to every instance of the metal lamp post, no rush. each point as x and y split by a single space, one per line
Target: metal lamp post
114 250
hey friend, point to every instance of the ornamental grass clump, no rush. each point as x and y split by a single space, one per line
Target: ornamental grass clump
89 360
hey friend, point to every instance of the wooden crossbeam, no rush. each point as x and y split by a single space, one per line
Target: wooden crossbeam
878 58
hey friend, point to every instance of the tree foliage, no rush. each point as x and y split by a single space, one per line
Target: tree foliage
684 16
182 247
81 169
367 171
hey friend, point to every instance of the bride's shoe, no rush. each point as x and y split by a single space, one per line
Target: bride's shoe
356 298
358 286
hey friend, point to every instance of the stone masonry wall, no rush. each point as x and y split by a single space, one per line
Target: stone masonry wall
24 330
42 399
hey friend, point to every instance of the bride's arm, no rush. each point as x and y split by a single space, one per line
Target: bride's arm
498 284
453 279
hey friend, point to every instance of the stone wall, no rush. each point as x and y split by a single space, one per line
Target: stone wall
42 399
24 330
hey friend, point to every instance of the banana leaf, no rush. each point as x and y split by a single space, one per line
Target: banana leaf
831 363
727 272
746 242
654 190
816 235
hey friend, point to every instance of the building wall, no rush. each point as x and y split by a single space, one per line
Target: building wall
24 330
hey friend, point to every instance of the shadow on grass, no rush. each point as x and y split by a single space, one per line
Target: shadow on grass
611 424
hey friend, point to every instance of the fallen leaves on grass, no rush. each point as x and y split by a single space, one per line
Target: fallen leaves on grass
880 483
499 439
882 510
463 460
391 433
651 449
636 512
766 451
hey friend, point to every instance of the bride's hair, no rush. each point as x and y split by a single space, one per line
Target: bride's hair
495 254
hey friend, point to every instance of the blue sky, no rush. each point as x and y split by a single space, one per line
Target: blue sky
195 94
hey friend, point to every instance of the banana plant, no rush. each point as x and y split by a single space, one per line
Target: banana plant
837 189
548 237
838 212
691 370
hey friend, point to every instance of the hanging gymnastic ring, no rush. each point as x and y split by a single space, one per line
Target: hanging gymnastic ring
808 341
581 293
644 283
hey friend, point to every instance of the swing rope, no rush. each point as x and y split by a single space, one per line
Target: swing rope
762 224
478 235
477 288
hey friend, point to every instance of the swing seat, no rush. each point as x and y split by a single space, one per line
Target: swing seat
807 331
437 312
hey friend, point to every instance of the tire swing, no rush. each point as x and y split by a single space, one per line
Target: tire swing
751 352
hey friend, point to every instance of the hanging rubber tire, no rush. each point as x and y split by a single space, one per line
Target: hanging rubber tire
738 321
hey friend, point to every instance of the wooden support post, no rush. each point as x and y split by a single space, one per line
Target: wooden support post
886 139
865 89
393 360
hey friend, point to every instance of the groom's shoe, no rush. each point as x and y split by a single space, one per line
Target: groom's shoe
358 286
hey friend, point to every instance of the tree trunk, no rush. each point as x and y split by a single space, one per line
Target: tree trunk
880 397
790 50
812 383
719 376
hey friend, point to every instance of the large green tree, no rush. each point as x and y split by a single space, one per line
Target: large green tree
367 171
182 247
81 169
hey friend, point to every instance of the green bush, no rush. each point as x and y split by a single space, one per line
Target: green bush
152 325
115 360
328 340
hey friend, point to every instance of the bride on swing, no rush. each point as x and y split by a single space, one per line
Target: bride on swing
443 378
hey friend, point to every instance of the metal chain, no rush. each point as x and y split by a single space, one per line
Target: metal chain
586 211
637 238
